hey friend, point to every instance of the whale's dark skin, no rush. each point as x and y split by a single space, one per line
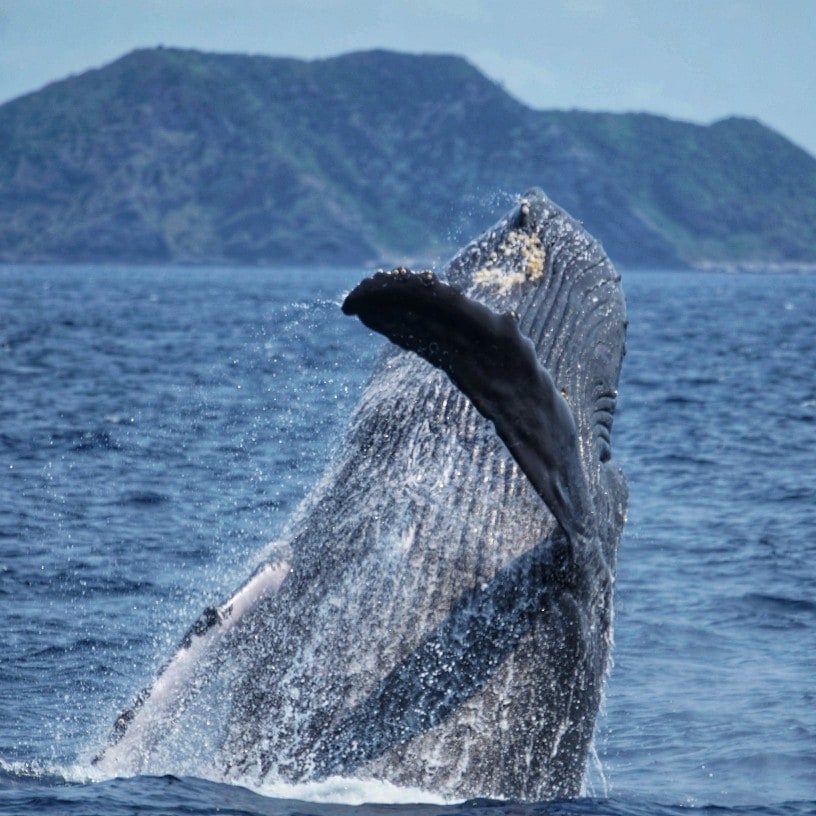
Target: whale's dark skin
440 613
486 356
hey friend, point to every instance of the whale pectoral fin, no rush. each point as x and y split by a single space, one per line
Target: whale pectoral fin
172 686
495 366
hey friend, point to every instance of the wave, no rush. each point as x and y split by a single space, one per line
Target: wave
32 789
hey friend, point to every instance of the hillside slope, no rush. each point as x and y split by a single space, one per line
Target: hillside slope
180 156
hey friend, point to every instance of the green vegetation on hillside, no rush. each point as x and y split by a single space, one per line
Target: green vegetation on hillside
178 156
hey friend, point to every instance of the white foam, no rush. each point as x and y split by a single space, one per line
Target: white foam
347 791
336 790
38 769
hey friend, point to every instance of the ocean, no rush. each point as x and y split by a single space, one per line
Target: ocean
159 426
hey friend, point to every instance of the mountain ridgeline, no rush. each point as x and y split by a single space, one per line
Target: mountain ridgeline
171 156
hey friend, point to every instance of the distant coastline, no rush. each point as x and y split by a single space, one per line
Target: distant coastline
172 157
736 268
774 267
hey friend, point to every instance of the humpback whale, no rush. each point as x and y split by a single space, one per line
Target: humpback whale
439 611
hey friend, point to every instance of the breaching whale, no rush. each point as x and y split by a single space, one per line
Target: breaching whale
439 613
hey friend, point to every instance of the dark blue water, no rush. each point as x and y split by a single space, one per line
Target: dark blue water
157 427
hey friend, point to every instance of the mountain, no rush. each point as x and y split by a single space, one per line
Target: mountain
169 156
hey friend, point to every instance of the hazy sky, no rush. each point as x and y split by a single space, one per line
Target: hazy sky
699 60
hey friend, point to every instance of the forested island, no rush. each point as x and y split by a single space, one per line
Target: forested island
172 156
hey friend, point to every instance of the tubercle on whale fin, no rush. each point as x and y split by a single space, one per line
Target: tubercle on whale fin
210 617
